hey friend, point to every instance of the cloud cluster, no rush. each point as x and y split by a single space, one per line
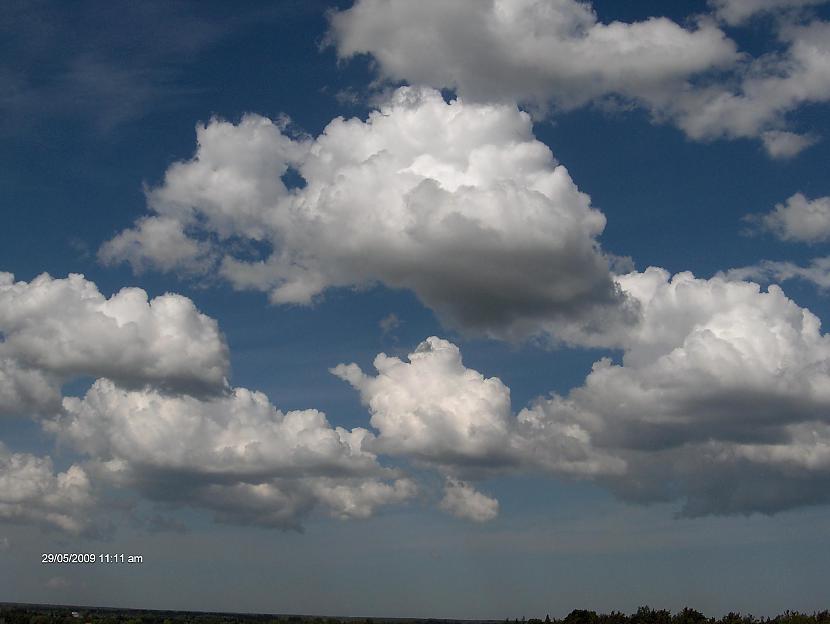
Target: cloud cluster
457 202
769 88
720 401
31 492
558 53
54 330
235 454
161 417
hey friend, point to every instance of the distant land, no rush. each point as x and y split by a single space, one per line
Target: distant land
22 613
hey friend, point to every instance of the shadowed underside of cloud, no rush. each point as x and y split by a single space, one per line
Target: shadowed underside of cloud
456 202
558 54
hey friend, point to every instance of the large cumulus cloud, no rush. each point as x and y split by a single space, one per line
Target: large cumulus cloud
560 53
455 201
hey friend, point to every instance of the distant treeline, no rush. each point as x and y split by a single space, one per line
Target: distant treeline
42 614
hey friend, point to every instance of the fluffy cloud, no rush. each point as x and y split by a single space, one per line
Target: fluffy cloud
161 418
799 219
720 401
31 492
440 413
527 50
26 390
57 329
771 86
559 53
237 454
783 144
455 201
435 409
736 12
464 501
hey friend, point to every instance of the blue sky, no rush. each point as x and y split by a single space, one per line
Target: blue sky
301 185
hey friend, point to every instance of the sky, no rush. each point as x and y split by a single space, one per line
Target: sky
480 309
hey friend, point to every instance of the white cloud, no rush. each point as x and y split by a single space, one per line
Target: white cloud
24 390
435 409
54 330
526 50
783 144
799 219
438 412
766 271
770 87
736 12
540 53
31 493
720 402
464 501
157 242
237 454
455 201
720 389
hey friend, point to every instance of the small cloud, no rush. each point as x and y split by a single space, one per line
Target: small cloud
781 144
347 97
462 500
158 523
58 582
389 323
5 544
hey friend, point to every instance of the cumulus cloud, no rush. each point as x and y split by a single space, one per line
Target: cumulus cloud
161 239
32 493
769 87
719 401
720 390
527 50
558 53
436 411
799 219
464 501
736 12
237 454
433 408
161 418
456 201
54 330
